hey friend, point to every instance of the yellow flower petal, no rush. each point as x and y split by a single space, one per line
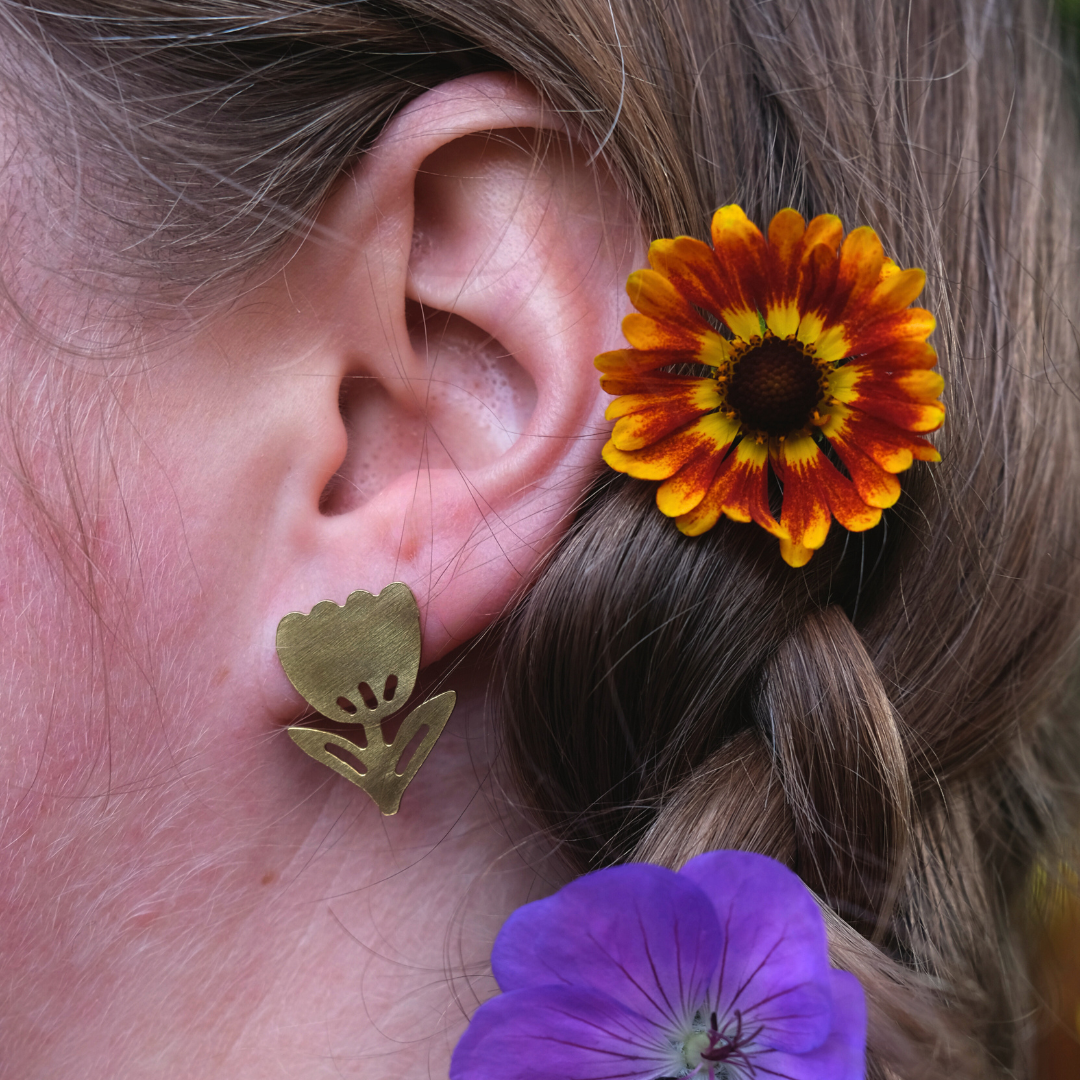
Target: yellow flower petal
654 295
825 229
739 491
649 334
876 486
888 446
733 232
783 319
715 351
832 345
815 492
794 554
697 273
897 289
811 326
786 231
861 260
686 489
646 418
786 241
709 434
909 325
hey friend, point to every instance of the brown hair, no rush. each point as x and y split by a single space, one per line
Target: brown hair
890 720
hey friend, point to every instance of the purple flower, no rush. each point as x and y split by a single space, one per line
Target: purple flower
637 973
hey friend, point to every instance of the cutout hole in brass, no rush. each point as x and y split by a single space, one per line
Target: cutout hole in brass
339 751
370 700
413 745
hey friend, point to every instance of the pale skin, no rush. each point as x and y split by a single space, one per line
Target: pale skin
184 893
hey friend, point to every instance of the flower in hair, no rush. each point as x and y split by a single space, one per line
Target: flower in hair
820 369
635 972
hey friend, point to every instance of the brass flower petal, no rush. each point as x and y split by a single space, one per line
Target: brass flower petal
358 662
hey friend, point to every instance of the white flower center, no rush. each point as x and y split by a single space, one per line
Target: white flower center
715 1054
696 1044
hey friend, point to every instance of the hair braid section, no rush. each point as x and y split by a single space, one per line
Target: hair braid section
734 800
843 767
633 659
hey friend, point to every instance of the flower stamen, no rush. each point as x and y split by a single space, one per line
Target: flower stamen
775 386
712 1048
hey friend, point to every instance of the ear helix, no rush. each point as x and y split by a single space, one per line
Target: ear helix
357 665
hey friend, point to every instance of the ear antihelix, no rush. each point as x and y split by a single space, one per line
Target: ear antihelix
357 664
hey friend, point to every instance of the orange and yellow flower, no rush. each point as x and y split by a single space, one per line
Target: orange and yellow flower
823 349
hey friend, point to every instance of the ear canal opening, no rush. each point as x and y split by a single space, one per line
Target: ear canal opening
383 441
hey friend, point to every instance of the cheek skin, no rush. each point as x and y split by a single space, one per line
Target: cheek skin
130 569
136 516
131 777
121 627
172 870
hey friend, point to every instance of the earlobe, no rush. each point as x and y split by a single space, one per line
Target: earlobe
463 278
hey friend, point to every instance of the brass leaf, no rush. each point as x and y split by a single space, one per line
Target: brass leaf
381 780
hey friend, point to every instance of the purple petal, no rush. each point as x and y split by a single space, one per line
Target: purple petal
774 966
567 1032
643 935
842 1056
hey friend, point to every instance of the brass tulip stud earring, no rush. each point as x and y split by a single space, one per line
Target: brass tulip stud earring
357 665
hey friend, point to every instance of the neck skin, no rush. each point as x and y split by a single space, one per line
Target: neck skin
266 920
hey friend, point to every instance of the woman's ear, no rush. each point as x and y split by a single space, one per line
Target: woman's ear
450 301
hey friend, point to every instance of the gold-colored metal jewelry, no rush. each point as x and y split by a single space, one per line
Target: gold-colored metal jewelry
357 664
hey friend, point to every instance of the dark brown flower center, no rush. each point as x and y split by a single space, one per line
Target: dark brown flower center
774 387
